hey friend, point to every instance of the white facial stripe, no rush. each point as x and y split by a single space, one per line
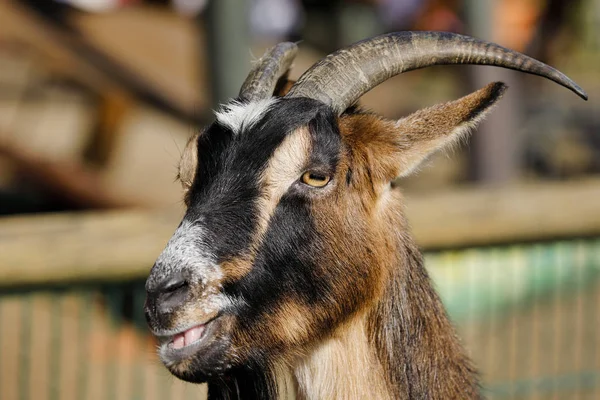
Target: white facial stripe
184 251
285 167
239 116
287 163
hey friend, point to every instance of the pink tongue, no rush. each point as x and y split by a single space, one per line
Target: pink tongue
188 337
178 341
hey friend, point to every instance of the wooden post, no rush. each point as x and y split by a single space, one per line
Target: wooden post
228 47
497 144
113 109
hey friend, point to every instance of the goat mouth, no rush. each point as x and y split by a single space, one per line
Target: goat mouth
177 347
188 337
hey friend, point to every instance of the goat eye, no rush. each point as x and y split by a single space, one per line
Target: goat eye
314 179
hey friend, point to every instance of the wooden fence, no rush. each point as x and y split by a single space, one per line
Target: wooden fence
518 269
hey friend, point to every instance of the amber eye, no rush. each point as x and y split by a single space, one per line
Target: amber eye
315 179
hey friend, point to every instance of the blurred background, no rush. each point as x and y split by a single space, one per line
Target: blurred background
98 98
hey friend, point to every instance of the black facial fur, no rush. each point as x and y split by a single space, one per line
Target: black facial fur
248 383
229 166
223 199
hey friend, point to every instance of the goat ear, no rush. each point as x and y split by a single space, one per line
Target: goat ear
391 149
425 131
188 163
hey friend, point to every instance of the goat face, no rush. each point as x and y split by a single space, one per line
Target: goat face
292 226
275 249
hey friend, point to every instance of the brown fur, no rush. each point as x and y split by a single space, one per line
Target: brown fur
236 268
407 328
396 148
407 332
380 331
291 322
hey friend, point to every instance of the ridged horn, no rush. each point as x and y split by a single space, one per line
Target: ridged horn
342 77
261 80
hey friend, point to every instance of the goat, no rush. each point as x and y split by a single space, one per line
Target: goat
293 273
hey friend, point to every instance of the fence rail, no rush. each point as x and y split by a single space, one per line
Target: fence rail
118 245
527 315
72 289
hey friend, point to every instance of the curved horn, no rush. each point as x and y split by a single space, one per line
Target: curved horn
263 77
342 77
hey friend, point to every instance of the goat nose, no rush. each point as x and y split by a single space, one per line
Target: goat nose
168 294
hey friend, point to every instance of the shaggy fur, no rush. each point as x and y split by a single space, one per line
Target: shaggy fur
312 293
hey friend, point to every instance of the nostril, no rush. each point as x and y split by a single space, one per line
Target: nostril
171 283
174 285
171 293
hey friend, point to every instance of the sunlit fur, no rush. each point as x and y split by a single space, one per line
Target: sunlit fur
238 116
324 293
